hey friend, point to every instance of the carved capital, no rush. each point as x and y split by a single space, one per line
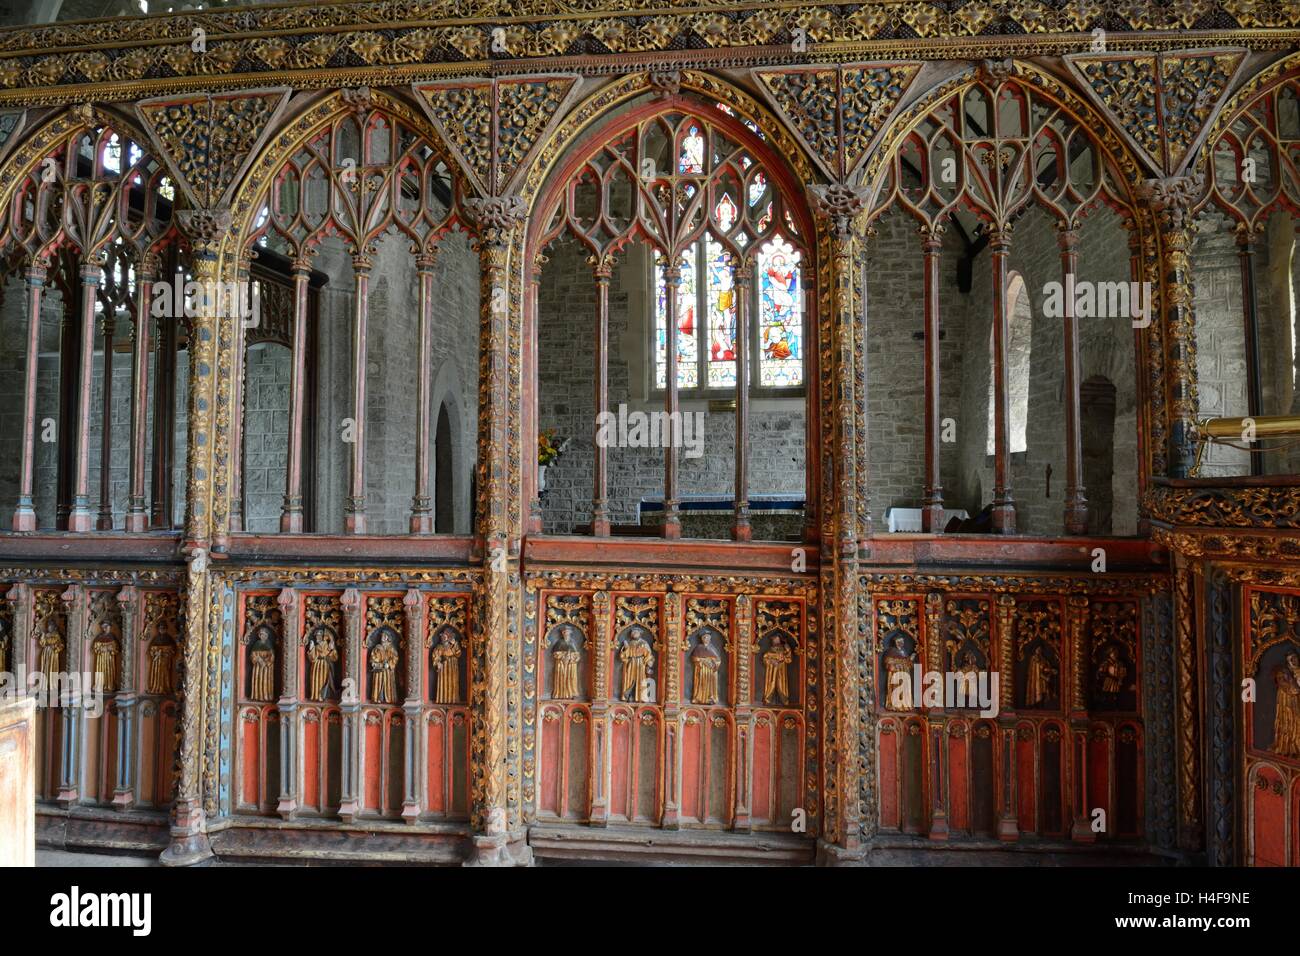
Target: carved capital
840 205
205 228
1173 198
497 216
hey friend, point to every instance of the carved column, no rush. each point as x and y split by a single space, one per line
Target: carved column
498 220
25 513
1076 503
291 513
840 208
936 721
1173 201
79 516
604 268
354 624
354 517
1004 507
234 309
291 762
672 505
421 501
207 230
602 765
745 649
417 650
137 515
932 503
531 493
71 706
1076 650
128 602
741 529
672 702
1187 695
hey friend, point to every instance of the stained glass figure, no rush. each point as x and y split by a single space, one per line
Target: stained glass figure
780 315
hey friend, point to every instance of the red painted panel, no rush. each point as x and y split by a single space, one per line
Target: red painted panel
311 758
436 770
250 757
1026 779
621 775
1268 818
649 764
372 773
552 721
1098 776
761 808
166 773
958 784
889 776
692 760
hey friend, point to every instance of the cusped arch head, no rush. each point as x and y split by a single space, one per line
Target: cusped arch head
641 106
1015 134
52 189
353 164
1249 157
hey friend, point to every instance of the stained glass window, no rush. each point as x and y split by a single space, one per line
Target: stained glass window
722 316
691 160
688 372
780 315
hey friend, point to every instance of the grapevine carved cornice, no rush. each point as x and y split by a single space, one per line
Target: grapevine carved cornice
373 40
1234 545
1224 507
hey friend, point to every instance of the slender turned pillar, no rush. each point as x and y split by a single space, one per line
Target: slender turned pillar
1076 503
865 529
291 762
239 330
1250 317
25 513
416 608
105 520
1077 612
672 509
600 491
354 518
291 513
128 602
1004 506
137 517
421 502
164 415
932 504
533 524
79 517
741 529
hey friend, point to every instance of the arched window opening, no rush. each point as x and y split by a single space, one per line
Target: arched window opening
1098 437
1021 322
675 242
444 509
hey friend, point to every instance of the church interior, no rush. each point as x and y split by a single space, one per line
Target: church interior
492 436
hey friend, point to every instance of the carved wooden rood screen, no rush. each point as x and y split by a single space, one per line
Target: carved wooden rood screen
297 327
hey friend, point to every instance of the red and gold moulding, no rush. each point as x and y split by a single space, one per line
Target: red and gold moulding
409 40
1247 504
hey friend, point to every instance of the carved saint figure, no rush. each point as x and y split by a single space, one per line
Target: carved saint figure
565 653
322 654
898 677
638 663
104 651
262 656
1039 679
444 660
776 664
51 644
1111 673
162 666
705 664
383 667
1286 715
